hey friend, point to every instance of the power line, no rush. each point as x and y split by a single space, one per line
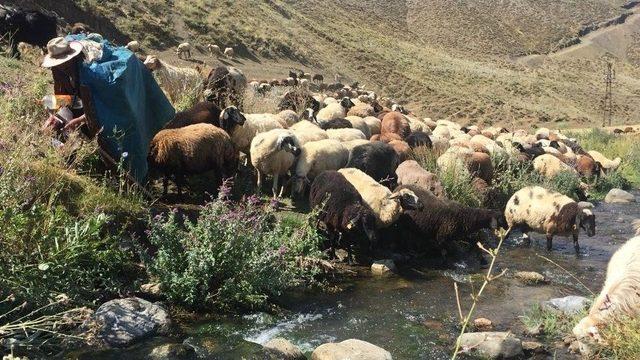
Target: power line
607 102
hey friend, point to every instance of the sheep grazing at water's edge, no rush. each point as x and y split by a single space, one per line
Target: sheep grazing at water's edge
192 150
316 157
537 209
377 159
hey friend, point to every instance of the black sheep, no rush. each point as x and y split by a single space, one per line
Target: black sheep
378 160
442 221
29 26
336 124
419 138
531 152
572 145
298 101
202 112
343 211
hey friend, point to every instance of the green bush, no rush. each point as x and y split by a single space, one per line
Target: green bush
235 255
510 176
567 183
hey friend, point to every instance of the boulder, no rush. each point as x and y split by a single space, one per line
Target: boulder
284 349
171 352
383 267
352 349
530 277
122 322
568 305
152 289
491 345
619 196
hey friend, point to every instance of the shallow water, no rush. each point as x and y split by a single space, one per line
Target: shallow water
413 315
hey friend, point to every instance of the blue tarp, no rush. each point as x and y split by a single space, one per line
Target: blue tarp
129 105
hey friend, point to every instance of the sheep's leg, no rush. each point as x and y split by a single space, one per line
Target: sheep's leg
274 188
165 185
259 183
575 243
549 242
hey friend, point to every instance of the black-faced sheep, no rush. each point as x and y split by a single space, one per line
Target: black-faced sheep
336 110
225 86
537 209
531 152
618 298
419 138
273 153
386 205
342 211
442 221
191 150
29 26
395 123
206 112
377 159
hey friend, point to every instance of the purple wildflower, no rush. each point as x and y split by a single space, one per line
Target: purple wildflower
282 250
224 192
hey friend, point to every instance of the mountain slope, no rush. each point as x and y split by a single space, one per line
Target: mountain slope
447 59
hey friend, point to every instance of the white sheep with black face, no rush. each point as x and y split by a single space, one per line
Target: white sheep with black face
618 298
274 153
537 209
334 111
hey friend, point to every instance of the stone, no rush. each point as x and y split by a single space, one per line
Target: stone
567 305
619 196
284 349
171 352
530 277
533 347
352 349
383 267
492 345
122 322
482 324
153 289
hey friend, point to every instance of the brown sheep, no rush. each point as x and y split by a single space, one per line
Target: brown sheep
411 173
402 148
395 123
587 166
480 166
194 149
628 130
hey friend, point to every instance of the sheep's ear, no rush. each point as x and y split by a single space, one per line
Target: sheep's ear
395 195
225 114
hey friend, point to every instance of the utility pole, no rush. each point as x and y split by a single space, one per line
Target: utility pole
607 102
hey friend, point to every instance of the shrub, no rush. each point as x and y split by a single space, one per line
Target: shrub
566 183
234 255
509 177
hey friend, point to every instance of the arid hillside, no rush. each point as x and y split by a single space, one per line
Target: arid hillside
465 60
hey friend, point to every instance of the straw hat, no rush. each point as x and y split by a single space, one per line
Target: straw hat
60 51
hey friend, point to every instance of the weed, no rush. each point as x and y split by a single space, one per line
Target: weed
553 325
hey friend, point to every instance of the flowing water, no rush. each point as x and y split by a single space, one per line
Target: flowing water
413 315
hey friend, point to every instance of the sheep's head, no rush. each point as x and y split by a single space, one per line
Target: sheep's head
309 114
152 62
498 220
586 220
288 143
587 333
231 116
299 184
408 199
376 106
362 219
346 103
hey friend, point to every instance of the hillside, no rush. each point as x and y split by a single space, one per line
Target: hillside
447 59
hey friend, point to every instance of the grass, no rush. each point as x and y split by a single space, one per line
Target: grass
554 325
623 340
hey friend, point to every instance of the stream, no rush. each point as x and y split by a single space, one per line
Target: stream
413 315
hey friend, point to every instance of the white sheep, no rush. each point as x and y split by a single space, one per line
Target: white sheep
316 157
618 298
287 117
184 48
549 166
174 81
353 143
607 164
488 144
273 153
307 131
374 124
537 209
359 123
229 52
134 46
214 50
387 206
253 125
334 111
344 135
329 100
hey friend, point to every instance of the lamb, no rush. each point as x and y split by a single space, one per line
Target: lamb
229 53
443 221
373 123
193 149
255 124
184 49
395 123
378 160
409 172
226 85
386 206
359 123
214 50
134 46
618 297
335 111
549 166
344 135
419 138
206 112
537 209
344 213
316 157
273 153
607 165
174 81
